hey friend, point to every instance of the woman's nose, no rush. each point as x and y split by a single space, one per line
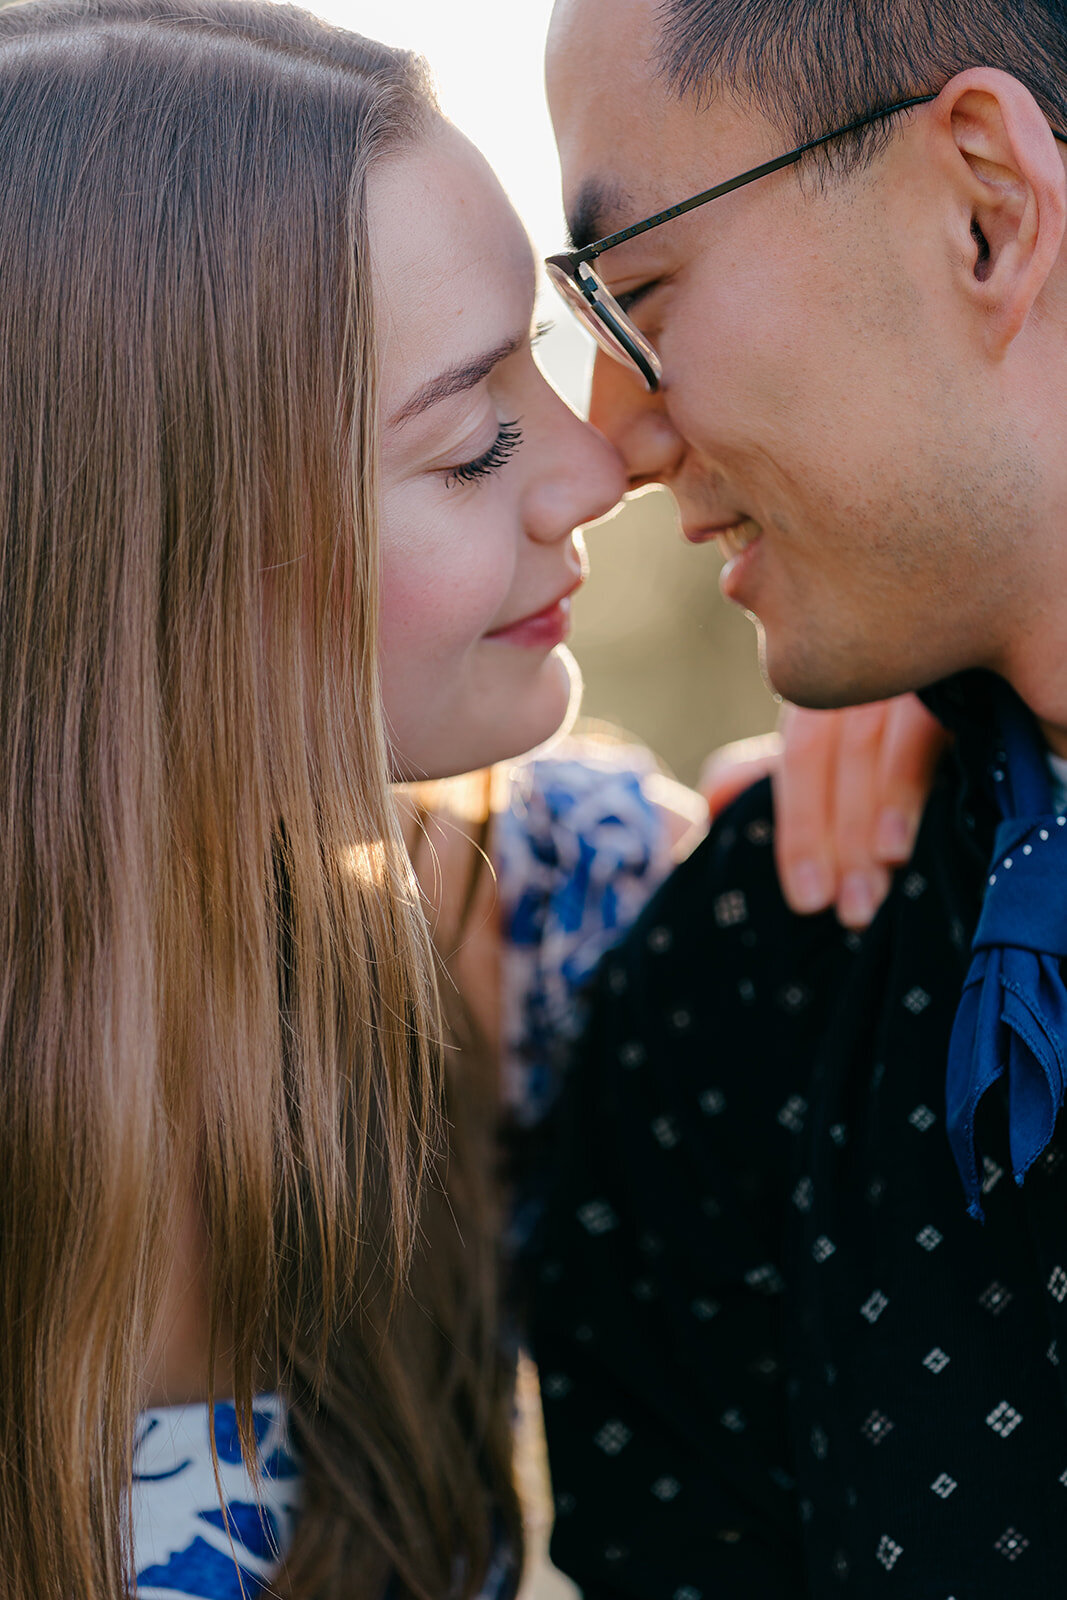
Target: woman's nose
636 422
584 479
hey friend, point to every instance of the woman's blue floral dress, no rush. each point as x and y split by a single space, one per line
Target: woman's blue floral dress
578 850
185 1542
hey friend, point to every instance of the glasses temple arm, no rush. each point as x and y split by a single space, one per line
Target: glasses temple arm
591 251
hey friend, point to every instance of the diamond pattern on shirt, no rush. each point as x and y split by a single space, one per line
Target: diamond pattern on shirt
867 1464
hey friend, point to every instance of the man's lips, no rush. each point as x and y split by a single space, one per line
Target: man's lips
734 535
738 541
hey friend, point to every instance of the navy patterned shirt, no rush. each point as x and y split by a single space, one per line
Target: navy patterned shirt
777 1357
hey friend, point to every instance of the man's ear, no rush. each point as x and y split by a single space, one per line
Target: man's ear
1010 194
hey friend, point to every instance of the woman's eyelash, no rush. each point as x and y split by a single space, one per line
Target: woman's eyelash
498 454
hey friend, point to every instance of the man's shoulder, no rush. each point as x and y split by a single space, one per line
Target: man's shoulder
719 942
719 927
739 845
729 878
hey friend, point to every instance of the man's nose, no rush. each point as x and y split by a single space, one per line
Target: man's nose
637 423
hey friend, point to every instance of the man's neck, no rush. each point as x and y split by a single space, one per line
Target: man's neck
1056 736
1036 667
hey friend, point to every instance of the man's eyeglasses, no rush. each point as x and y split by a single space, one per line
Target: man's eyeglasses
596 308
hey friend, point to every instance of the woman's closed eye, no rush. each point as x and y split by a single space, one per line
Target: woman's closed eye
490 462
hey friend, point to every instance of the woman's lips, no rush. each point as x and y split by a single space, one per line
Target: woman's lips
541 630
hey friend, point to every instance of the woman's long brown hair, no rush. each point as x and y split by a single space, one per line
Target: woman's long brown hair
212 957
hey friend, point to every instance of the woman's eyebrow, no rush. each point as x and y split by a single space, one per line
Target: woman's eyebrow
457 380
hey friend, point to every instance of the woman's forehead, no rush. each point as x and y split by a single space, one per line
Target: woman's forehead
452 264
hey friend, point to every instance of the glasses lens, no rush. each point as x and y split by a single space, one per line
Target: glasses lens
605 319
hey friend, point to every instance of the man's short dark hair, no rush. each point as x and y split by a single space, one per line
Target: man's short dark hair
813 65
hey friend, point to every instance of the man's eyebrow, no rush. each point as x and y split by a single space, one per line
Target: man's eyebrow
588 219
456 380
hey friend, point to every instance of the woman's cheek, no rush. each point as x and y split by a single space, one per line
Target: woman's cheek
438 599
438 602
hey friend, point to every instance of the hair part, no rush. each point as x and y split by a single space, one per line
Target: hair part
811 66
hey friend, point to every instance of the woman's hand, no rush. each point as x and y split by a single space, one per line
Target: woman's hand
849 791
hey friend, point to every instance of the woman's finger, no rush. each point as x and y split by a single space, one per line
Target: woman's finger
863 881
911 748
803 807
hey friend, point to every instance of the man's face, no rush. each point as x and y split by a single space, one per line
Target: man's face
823 398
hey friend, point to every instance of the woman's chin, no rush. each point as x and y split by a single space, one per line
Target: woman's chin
542 714
565 677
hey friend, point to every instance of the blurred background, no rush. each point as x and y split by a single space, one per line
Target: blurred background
662 654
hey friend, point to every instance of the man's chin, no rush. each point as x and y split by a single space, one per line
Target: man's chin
790 672
824 679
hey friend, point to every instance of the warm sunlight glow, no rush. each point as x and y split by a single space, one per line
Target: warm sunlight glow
487 60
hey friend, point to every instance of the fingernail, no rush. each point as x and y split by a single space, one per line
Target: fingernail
856 902
893 836
810 888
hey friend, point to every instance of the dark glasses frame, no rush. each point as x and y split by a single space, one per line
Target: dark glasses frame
593 303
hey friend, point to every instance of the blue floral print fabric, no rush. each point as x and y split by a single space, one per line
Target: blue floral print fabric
184 1542
579 850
